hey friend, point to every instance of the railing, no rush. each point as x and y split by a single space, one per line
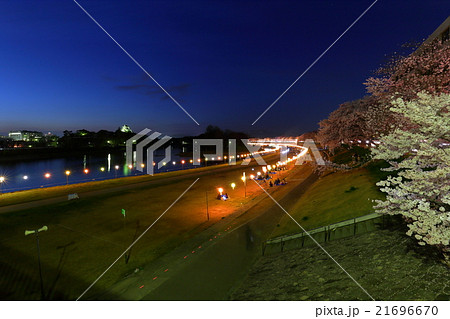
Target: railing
343 229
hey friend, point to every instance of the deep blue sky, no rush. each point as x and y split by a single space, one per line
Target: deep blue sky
225 61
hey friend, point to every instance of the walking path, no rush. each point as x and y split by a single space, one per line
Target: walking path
212 264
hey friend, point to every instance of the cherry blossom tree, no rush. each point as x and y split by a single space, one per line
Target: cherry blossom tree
420 154
426 69
346 124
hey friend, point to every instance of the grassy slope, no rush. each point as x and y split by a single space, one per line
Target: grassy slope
333 198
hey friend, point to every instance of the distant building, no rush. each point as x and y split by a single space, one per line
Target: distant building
27 136
125 129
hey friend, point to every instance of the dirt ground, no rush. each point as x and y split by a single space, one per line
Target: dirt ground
388 264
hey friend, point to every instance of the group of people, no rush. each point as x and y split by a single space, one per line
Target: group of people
223 196
278 182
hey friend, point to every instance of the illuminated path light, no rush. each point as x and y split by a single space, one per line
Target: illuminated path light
47 175
67 177
2 180
244 179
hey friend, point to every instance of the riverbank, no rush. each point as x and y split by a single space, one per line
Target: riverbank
21 197
85 236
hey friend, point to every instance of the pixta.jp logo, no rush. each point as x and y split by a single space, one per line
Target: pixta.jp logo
149 143
142 139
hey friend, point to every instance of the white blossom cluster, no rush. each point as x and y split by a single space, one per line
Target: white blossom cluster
419 153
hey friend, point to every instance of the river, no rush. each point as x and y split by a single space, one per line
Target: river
23 175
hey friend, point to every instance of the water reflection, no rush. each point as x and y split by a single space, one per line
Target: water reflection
21 175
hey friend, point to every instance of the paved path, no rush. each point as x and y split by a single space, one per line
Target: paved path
213 263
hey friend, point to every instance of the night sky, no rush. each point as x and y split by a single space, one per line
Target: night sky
224 61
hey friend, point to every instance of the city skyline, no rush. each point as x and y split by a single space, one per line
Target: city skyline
224 62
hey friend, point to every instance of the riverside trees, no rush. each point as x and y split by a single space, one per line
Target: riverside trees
409 112
427 69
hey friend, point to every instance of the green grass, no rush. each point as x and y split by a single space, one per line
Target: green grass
333 198
344 154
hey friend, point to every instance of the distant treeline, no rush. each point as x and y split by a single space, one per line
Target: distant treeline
103 141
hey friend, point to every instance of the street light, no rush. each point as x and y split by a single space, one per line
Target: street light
117 168
233 185
67 176
244 179
220 190
182 164
102 169
47 175
86 171
36 232
2 179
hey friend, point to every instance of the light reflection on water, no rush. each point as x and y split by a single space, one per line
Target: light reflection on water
21 175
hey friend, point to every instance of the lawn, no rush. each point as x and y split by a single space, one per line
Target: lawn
85 236
333 198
